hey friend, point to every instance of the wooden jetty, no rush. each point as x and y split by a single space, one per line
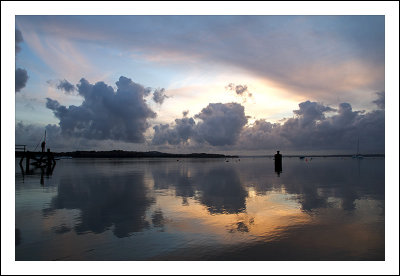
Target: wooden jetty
37 159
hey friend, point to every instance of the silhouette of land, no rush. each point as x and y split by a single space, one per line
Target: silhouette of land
139 154
133 154
315 155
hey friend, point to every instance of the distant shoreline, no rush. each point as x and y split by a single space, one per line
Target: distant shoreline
315 155
157 154
132 154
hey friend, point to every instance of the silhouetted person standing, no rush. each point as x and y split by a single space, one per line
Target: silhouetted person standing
43 145
278 162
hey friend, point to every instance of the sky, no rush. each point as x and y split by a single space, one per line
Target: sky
240 84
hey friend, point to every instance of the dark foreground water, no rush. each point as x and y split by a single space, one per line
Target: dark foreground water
202 209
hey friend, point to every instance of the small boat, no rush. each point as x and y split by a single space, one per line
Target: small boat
301 157
358 155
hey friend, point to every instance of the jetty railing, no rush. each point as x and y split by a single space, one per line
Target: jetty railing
20 148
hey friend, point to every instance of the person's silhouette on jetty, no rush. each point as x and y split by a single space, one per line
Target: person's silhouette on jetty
43 145
278 162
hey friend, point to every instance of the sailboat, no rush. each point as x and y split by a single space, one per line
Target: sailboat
358 155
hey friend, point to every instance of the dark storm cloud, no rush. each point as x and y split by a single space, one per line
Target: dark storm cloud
105 113
219 125
240 90
159 95
21 78
66 86
18 39
380 102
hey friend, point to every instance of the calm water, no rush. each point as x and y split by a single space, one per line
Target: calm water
202 209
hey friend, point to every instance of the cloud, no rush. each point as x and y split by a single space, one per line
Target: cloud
240 90
262 135
18 40
380 102
180 133
21 75
310 112
105 113
27 134
21 78
32 134
219 125
159 95
314 127
312 130
66 86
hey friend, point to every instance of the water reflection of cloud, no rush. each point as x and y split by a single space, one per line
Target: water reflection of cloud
61 229
226 206
249 190
218 187
157 218
312 184
242 226
105 201
175 176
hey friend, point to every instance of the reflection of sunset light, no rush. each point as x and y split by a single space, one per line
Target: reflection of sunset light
266 217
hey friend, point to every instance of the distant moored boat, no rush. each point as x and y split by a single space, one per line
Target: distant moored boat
358 155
